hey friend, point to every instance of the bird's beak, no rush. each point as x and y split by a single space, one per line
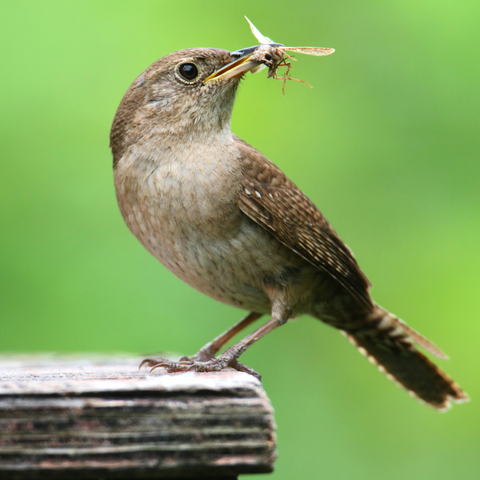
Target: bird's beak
241 64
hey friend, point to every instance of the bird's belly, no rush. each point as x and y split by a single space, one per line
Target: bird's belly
225 266
230 262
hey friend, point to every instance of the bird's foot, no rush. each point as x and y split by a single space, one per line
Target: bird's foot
198 363
201 356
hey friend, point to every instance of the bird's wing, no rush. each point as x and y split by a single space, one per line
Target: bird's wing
271 200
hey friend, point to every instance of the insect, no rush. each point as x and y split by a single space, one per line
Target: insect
274 55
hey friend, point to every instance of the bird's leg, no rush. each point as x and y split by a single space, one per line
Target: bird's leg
280 314
208 351
229 357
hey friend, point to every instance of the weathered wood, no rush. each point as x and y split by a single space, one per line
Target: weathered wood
66 417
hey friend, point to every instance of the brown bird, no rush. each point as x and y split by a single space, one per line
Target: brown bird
228 222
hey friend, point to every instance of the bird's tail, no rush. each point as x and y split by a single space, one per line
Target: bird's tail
389 344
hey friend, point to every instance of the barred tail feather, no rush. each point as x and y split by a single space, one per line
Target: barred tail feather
388 343
416 337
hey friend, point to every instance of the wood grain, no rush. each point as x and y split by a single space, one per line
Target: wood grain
99 417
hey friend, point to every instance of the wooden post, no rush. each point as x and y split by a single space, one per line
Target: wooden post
101 418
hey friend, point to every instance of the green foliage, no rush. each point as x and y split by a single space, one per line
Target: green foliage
386 144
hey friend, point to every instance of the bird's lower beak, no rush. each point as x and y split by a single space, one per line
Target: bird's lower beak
239 66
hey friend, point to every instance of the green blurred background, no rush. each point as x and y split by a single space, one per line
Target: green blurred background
386 144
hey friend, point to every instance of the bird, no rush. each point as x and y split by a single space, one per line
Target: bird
228 222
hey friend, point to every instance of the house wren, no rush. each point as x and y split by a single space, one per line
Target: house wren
228 222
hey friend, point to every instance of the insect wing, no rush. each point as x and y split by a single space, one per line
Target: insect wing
315 51
256 32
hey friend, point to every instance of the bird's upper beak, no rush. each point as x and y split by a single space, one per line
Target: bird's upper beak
242 63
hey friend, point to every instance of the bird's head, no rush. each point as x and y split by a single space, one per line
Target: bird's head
183 94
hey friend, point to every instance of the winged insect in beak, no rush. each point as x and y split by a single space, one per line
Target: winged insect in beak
274 55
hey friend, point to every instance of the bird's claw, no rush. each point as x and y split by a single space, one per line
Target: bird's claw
151 362
185 364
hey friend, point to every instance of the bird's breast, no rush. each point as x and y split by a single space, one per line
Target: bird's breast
185 212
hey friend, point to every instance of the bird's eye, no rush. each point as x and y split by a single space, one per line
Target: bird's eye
188 72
